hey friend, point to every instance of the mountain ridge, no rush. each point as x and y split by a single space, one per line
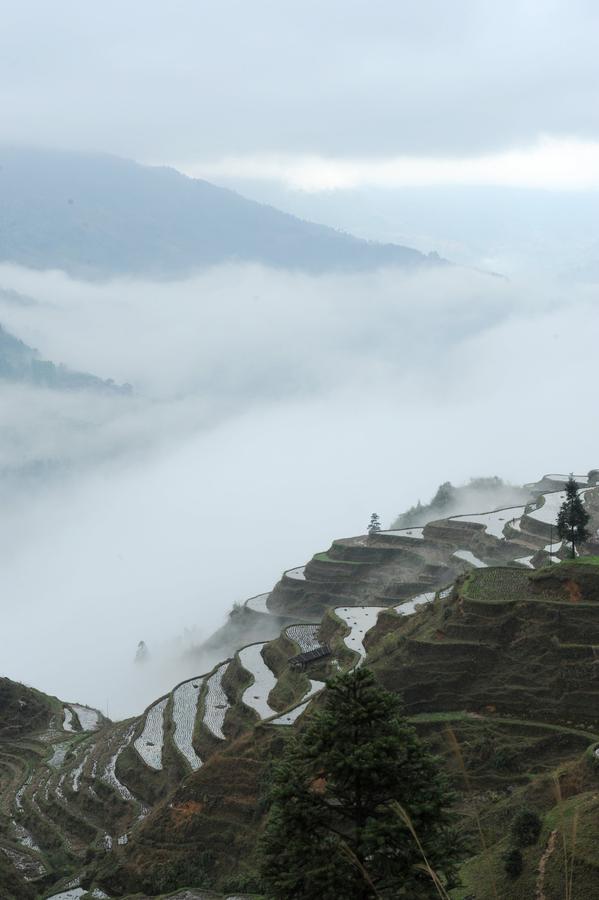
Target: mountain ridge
96 215
22 364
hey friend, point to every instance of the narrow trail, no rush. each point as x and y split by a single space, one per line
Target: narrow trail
540 888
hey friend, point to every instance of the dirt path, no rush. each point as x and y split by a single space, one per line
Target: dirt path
540 891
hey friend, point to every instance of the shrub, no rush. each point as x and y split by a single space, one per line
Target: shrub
513 862
593 756
526 828
503 760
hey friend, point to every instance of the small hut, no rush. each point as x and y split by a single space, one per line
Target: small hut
303 660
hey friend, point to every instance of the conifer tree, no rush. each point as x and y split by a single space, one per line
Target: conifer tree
572 519
359 808
375 524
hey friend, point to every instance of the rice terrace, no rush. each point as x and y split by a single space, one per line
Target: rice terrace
482 623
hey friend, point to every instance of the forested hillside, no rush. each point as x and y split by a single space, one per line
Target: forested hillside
95 215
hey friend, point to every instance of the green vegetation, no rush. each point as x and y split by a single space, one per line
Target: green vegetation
324 557
291 684
582 561
359 807
497 585
12 886
153 222
21 363
573 519
553 583
22 709
490 492
526 828
562 864
472 737
513 863
516 643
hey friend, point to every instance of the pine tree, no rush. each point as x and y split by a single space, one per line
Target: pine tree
375 524
359 808
572 519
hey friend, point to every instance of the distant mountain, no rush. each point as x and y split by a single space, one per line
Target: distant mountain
20 363
96 215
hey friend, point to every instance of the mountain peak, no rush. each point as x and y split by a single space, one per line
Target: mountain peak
95 215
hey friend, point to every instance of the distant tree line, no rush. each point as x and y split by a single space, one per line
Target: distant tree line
23 364
448 496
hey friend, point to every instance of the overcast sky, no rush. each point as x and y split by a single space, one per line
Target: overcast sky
318 94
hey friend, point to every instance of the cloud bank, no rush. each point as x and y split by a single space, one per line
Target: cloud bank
272 413
561 164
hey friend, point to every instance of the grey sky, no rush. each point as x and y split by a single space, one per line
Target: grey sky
192 80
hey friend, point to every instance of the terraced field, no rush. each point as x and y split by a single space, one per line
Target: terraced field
185 705
76 790
493 522
409 606
359 620
469 557
263 681
305 636
149 743
217 703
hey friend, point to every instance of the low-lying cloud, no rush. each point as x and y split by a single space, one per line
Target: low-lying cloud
272 412
549 163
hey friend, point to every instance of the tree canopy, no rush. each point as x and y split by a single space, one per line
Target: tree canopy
359 807
572 518
375 524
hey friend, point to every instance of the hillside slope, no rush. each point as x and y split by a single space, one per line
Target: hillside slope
480 621
23 364
95 215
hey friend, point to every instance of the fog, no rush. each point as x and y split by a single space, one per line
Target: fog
521 233
271 413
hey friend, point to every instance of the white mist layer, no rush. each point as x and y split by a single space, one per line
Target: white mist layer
273 413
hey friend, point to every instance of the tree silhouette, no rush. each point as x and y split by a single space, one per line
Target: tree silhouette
572 518
142 653
375 524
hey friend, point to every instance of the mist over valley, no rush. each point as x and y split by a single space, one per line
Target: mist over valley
269 412
299 472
